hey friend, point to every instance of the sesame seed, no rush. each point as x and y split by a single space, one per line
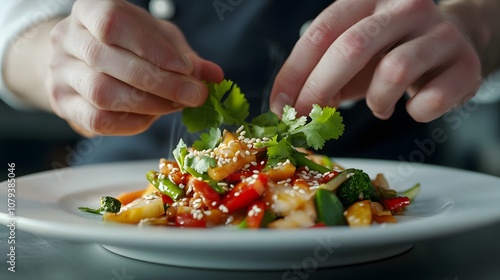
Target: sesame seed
223 208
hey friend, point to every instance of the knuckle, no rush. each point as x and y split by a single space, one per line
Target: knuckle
351 45
319 36
396 70
97 92
107 24
135 73
56 34
92 51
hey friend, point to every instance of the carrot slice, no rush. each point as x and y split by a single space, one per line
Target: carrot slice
127 197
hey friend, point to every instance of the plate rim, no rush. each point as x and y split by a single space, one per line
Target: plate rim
355 236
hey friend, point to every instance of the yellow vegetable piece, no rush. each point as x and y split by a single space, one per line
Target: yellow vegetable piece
281 172
141 208
359 214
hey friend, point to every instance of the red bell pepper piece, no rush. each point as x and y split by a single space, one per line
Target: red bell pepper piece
244 193
210 197
187 220
396 204
245 173
255 214
166 199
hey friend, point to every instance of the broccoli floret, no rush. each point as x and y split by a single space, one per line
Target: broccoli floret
357 187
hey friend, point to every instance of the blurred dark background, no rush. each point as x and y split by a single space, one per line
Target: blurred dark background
34 141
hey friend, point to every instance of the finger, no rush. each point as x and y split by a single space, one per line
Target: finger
135 71
207 71
128 26
107 93
447 90
322 32
403 65
350 53
94 121
202 69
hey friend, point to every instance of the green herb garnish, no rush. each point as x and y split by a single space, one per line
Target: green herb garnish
227 105
108 204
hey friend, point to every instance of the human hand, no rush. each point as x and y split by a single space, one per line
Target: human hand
115 69
378 50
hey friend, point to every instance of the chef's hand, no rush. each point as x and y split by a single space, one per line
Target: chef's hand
378 50
115 69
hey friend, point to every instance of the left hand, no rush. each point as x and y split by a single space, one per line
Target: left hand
380 50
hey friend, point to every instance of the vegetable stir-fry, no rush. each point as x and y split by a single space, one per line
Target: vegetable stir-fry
262 175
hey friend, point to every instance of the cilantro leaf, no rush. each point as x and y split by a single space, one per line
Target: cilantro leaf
289 118
200 163
225 104
236 107
180 152
326 124
208 140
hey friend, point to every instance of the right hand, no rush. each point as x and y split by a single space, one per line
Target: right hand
115 69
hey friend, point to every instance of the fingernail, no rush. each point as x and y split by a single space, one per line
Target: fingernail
189 94
281 100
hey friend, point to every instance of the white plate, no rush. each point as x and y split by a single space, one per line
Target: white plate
450 201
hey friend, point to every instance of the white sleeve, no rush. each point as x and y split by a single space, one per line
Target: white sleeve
15 17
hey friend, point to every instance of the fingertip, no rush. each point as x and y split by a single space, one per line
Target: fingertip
206 70
191 93
279 102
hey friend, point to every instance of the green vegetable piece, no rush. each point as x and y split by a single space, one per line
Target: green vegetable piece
335 182
243 224
358 186
164 185
412 192
267 219
108 204
329 208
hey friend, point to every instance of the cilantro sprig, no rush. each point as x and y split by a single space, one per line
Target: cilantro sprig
227 105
